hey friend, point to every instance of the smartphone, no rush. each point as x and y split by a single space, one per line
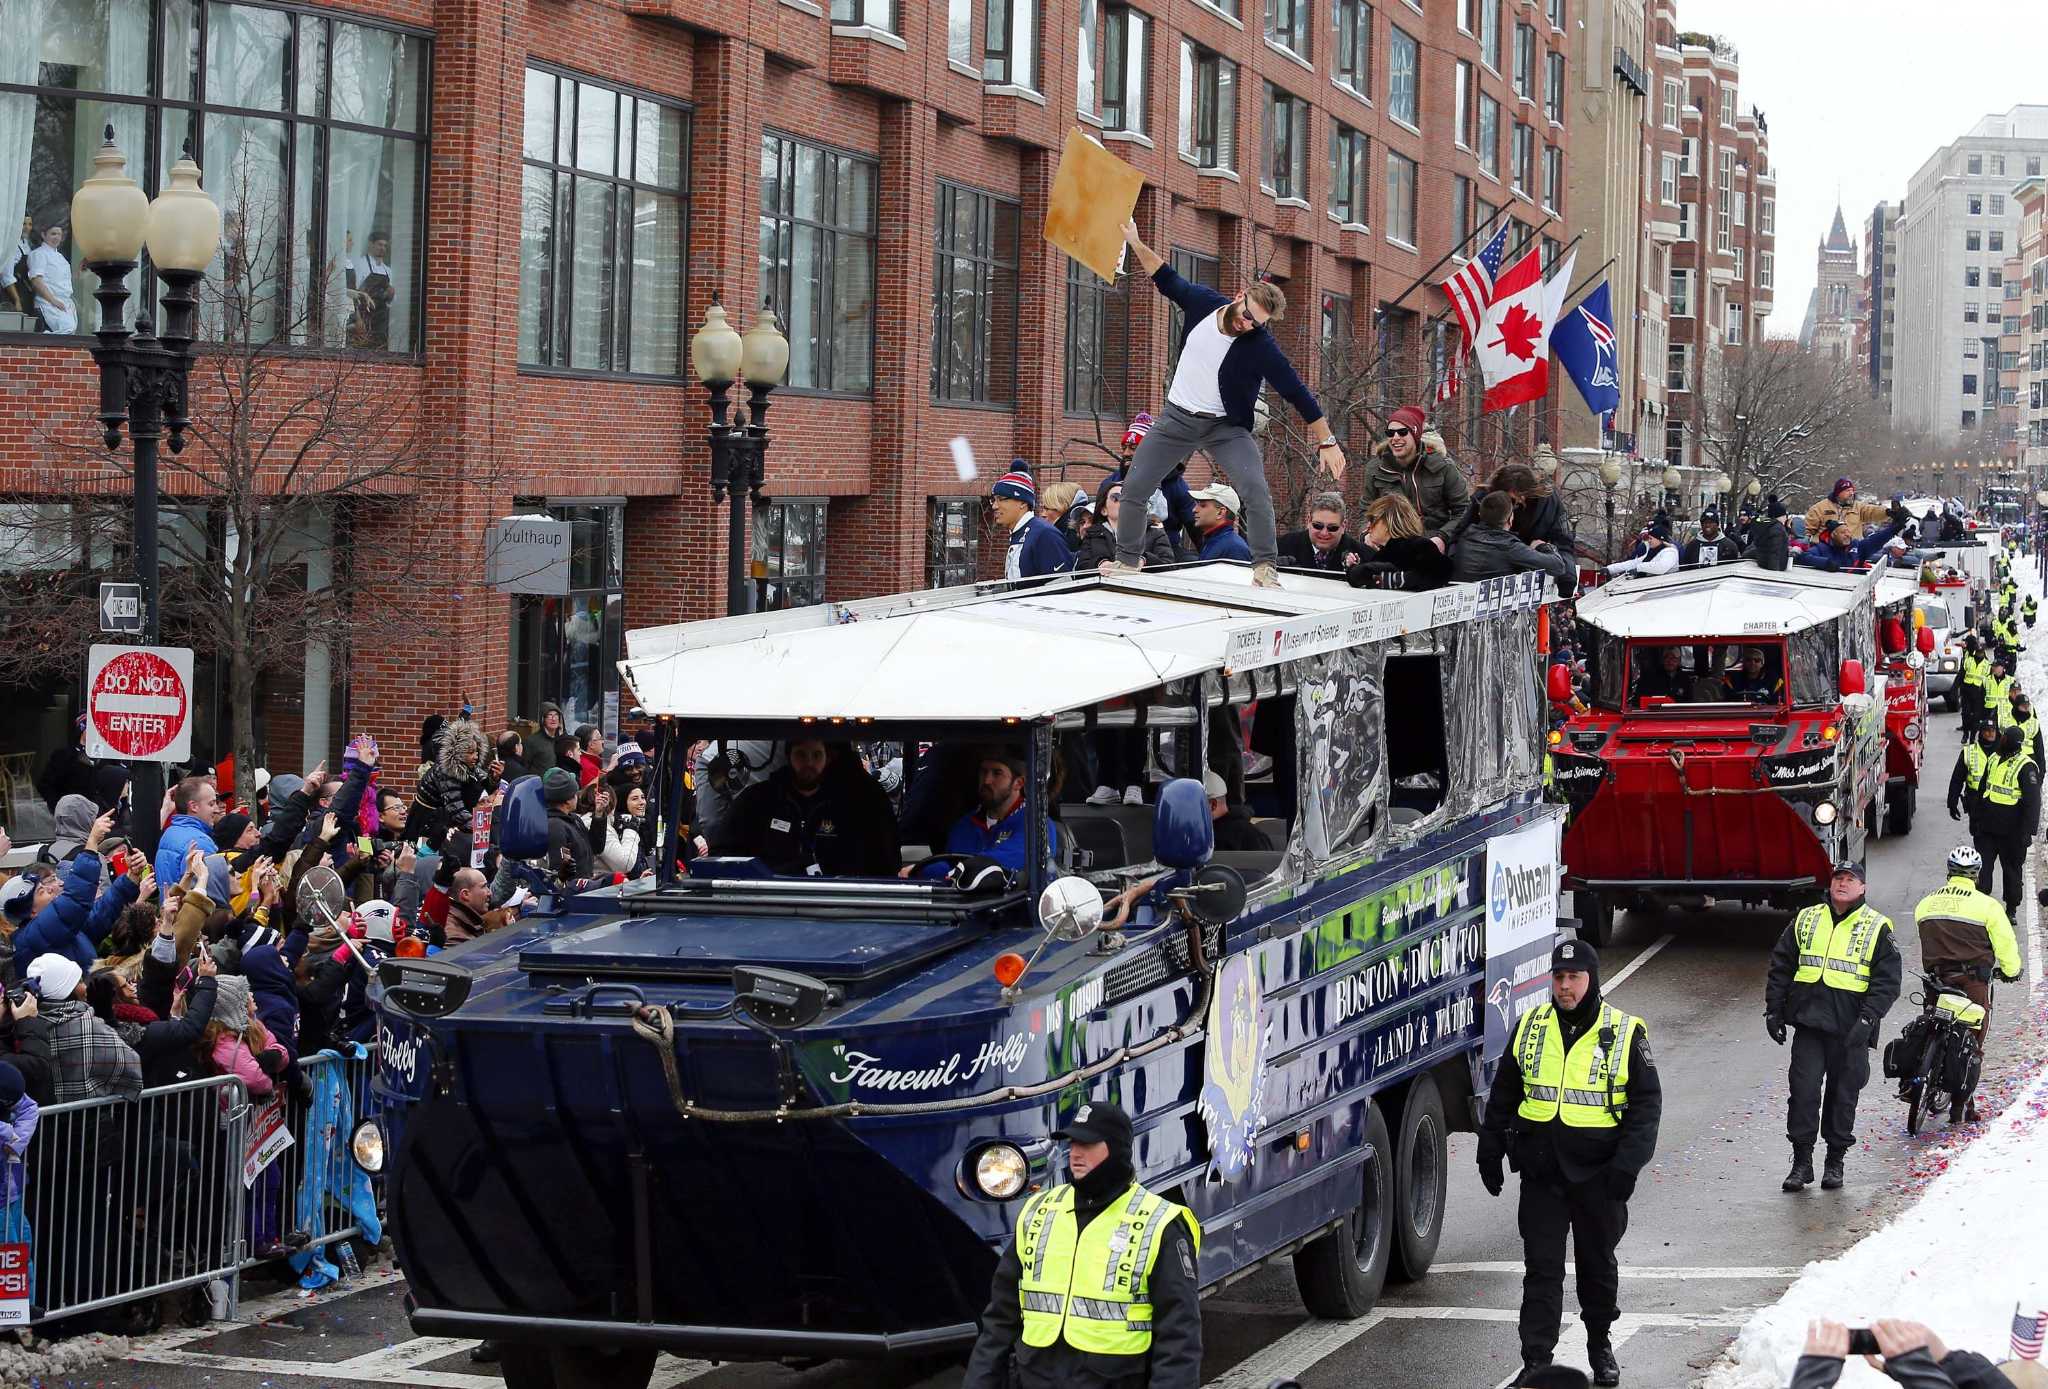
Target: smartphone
364 846
1862 1341
118 864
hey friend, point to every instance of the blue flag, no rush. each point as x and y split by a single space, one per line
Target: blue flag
1583 342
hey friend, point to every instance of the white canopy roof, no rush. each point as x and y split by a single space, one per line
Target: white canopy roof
985 653
1727 600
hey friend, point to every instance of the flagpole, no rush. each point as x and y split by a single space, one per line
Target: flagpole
1442 261
1441 314
1581 287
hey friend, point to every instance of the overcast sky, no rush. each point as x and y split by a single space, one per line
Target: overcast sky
1858 94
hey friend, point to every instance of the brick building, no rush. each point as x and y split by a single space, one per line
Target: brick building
515 213
2030 383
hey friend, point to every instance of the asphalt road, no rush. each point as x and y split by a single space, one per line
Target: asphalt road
1711 1236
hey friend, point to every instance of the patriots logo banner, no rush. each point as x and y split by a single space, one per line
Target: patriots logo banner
1585 346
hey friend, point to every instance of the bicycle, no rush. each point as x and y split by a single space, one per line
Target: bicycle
1938 1057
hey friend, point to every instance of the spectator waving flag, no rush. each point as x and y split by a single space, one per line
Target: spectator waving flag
2027 1333
1585 347
1513 345
1470 291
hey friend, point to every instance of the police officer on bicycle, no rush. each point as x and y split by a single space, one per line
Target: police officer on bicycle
1834 975
1965 935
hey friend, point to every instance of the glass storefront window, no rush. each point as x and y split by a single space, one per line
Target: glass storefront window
950 549
566 649
789 554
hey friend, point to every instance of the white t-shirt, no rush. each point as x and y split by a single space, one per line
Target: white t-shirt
54 271
1195 384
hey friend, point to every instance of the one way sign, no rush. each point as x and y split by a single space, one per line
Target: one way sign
121 608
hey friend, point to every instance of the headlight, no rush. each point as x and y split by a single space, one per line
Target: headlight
1948 666
367 1145
1824 813
1913 731
1001 1171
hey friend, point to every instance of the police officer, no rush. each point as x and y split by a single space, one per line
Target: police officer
1140 1321
1834 975
1997 687
1574 1107
1976 670
2008 813
1965 936
2019 713
2030 609
1966 782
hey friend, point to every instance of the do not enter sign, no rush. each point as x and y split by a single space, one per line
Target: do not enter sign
138 703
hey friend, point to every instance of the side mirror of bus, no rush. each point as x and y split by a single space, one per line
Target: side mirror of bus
1925 641
1560 683
1852 681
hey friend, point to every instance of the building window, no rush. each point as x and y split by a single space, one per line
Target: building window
1552 248
1489 33
1667 180
1336 325
1287 24
1688 150
1520 171
602 228
1098 339
1125 65
1734 323
1741 206
1525 62
1681 293
952 536
1767 216
1674 443
1969 383
1461 209
1976 164
1009 55
1466 21
1404 73
1998 204
1973 241
1352 64
1728 107
1724 201
1489 136
1678 367
1553 178
1972 277
1208 107
1400 204
1976 205
319 178
818 260
1461 115
1737 253
1970 315
1671 106
1765 271
1996 277
1969 419
1997 242
565 648
1284 144
1553 87
875 14
1196 269
2033 166
789 554
1554 11
1685 223
974 298
960 32
1348 175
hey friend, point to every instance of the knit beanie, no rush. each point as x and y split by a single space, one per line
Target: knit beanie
228 829
231 1002
1410 416
1016 485
558 785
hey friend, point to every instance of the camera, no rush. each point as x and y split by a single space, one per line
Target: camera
1861 1341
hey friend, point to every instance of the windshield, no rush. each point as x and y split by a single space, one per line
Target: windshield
1936 612
1707 678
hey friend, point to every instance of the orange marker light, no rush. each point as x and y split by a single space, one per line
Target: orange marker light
1830 733
1009 968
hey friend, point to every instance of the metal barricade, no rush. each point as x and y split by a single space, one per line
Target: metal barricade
131 1198
293 1196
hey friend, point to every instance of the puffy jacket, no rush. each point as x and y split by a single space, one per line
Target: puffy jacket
1099 546
181 834
75 921
1767 543
272 996
1434 485
1853 517
1487 552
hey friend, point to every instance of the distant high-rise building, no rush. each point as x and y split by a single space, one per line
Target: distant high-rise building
1830 324
1877 333
1958 224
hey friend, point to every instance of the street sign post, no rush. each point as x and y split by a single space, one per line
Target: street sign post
138 703
121 609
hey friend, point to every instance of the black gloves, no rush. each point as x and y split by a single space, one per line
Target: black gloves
1491 1173
1859 1033
1954 811
272 1061
1776 1027
1620 1185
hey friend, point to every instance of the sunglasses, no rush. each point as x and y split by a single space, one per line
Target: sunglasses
1244 313
1326 530
1397 433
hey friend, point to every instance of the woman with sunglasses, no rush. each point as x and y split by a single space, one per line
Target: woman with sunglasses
1227 356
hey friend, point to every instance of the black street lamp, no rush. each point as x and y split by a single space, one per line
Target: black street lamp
739 452
143 377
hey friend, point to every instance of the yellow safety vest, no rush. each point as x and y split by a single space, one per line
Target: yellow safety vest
1976 670
1842 959
1587 1089
1997 688
1089 1287
1959 900
2027 726
2002 778
1975 760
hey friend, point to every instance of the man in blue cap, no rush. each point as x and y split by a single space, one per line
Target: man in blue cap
1574 1108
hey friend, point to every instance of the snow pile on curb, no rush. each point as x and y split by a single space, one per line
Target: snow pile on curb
40 1364
1956 1261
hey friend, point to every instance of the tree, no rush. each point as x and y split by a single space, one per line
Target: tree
1785 416
278 538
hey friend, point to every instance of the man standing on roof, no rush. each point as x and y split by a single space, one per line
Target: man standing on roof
1227 355
1036 546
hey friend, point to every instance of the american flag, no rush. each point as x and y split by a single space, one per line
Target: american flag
2027 1333
1470 290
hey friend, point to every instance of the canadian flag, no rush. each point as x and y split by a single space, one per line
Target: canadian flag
1513 343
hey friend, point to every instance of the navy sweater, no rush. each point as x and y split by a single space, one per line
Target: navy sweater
1253 359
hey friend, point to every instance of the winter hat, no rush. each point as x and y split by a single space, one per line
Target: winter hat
231 1001
12 1086
15 896
1016 485
1409 415
1660 529
1140 427
1841 484
1710 517
558 785
1214 786
282 788
228 829
1774 508
1571 953
54 977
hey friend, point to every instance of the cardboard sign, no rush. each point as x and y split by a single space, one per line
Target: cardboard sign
1093 194
268 1137
14 1266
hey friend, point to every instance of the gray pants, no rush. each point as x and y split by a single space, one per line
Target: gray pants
1173 438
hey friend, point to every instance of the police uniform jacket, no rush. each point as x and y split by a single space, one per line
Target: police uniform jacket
1821 1006
1554 1149
2003 821
846 827
1001 1359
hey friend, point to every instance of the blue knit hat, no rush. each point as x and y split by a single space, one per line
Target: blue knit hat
1016 484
